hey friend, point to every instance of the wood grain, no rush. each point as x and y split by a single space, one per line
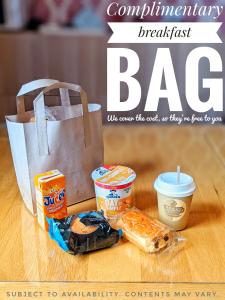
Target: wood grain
28 254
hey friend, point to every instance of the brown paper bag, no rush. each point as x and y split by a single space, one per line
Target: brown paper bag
72 143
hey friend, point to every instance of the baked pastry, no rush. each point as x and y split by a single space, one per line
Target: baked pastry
148 234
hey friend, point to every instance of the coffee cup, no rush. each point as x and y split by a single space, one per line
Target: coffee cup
174 194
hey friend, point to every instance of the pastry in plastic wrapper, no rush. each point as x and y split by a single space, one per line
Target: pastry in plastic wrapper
83 232
147 233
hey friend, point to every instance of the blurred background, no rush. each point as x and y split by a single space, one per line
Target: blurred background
67 40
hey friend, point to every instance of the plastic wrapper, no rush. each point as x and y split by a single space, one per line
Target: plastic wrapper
83 232
147 233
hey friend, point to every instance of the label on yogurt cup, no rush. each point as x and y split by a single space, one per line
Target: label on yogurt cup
175 209
113 202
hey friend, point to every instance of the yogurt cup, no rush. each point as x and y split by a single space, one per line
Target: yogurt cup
113 189
174 193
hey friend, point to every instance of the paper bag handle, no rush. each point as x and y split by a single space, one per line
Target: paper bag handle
37 84
40 117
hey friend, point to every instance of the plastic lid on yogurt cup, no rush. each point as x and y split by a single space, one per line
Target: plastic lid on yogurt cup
113 177
169 185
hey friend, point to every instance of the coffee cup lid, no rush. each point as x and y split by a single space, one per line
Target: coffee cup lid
168 184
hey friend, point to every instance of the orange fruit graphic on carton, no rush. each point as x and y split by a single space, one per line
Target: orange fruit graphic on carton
50 196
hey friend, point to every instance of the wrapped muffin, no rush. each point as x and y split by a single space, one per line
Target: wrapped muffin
83 232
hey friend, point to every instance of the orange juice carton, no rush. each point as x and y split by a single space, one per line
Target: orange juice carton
50 196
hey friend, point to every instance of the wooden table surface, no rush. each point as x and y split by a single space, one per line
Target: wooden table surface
28 254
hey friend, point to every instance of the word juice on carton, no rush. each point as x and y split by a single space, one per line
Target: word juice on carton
50 196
